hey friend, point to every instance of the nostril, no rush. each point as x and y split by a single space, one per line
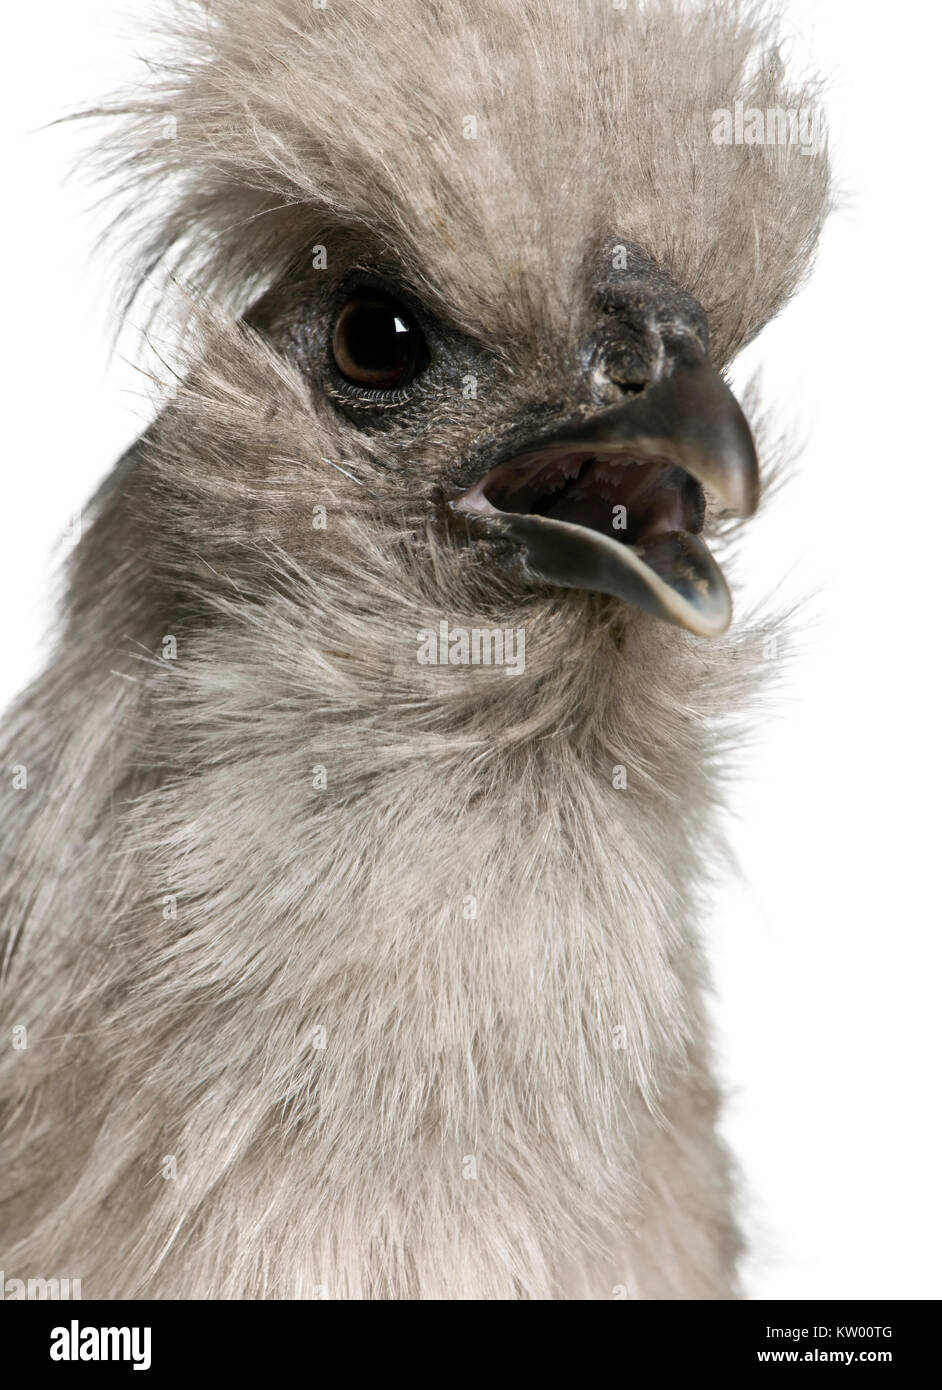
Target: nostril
630 385
613 383
621 366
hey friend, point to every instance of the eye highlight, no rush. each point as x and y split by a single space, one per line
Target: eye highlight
376 342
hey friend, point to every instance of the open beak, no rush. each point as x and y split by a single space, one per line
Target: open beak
615 503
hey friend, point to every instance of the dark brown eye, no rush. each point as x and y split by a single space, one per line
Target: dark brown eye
376 342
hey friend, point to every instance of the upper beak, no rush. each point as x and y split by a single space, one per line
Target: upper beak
614 502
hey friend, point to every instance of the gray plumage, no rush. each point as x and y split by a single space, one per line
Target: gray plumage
427 1023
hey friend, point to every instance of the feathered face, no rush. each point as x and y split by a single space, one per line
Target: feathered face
503 262
588 459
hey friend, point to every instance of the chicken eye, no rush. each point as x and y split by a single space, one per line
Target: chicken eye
377 343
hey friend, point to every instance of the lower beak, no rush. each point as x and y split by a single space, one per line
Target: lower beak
615 503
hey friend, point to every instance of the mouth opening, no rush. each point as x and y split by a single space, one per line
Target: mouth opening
615 503
633 500
611 518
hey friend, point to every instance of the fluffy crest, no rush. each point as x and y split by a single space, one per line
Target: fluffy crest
487 147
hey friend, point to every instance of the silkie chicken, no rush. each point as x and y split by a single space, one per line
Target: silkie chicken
359 829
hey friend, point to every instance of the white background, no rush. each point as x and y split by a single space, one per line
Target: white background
827 952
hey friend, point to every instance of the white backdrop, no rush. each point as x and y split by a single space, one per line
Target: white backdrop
826 952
